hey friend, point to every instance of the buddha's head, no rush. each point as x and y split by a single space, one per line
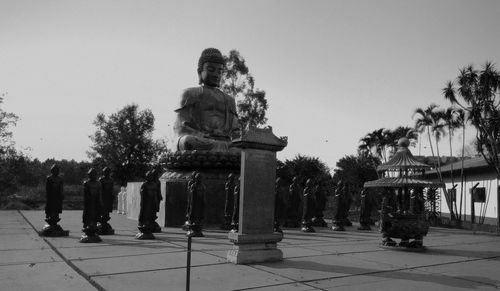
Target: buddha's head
210 67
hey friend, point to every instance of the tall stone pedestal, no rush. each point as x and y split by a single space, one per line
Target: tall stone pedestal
256 240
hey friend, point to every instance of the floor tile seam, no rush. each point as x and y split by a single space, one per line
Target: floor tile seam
154 270
28 263
123 256
402 269
437 264
26 249
104 244
456 277
374 272
274 274
335 254
279 284
69 263
329 243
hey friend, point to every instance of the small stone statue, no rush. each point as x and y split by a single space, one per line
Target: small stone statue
338 220
53 206
150 205
236 206
91 208
107 198
388 205
318 219
293 207
365 211
228 202
280 203
196 206
309 207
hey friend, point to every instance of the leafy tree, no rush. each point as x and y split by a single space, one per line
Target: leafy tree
238 82
123 141
305 167
355 171
7 120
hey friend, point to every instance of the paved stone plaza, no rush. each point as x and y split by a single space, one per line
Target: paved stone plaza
326 260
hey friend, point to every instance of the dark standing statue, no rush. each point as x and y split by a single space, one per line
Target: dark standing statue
338 219
228 202
320 207
108 198
236 206
196 206
150 205
365 211
53 206
309 207
280 204
91 208
293 207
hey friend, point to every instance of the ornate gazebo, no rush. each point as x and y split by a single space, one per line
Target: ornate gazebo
402 213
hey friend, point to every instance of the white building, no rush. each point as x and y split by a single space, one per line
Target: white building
477 173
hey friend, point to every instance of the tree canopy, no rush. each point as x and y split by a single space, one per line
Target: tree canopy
7 121
305 167
238 82
124 142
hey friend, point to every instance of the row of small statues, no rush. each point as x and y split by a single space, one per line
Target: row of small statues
98 202
294 206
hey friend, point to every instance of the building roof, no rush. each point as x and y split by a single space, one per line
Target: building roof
476 164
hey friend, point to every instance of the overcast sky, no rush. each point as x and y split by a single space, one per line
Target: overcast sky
332 70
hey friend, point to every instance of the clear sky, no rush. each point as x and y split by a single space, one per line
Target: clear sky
333 70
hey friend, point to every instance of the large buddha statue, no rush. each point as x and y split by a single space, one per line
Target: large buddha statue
206 117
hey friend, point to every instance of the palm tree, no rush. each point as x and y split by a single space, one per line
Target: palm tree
430 120
375 142
451 120
424 122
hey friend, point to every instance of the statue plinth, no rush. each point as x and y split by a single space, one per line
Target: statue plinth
255 241
214 168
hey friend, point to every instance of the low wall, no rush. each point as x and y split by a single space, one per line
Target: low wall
133 200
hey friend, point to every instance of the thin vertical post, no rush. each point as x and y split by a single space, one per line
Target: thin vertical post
188 265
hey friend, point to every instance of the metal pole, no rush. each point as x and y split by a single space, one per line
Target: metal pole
188 266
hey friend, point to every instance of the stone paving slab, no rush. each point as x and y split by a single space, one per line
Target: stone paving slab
478 272
19 257
110 251
142 263
325 260
207 278
321 267
400 280
42 276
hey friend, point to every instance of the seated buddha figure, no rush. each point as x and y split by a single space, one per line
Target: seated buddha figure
206 117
